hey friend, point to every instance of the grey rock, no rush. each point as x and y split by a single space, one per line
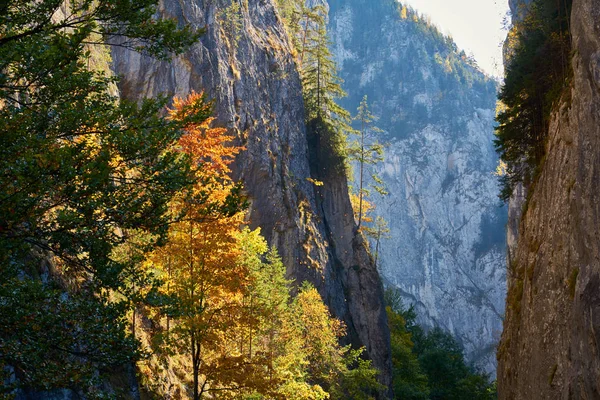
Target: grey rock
257 93
447 247
518 9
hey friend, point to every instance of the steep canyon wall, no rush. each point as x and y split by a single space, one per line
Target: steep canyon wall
549 348
252 77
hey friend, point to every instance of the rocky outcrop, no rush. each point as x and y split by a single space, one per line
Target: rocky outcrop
447 247
248 69
550 345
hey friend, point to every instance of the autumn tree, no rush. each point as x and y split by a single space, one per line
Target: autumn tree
408 379
79 170
201 254
320 333
367 207
233 314
339 370
271 339
377 232
297 340
366 151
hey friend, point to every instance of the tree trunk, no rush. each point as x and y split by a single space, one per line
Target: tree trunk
304 39
362 163
168 290
377 245
195 367
133 322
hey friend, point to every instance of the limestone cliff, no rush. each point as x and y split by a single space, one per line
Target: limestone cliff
446 251
549 348
248 69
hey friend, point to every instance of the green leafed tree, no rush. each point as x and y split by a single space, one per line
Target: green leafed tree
429 365
81 171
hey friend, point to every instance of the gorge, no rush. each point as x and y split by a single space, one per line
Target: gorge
181 215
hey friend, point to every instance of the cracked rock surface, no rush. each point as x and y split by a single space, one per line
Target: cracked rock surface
252 78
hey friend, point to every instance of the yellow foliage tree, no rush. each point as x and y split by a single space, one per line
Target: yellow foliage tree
273 337
340 371
404 12
367 208
230 308
199 260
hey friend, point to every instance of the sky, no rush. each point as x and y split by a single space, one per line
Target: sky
475 25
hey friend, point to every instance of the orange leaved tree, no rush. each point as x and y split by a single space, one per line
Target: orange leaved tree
199 260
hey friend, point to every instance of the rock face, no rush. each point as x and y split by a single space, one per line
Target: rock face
447 248
550 345
518 11
252 77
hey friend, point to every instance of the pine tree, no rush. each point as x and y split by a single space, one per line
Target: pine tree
302 23
339 370
307 29
321 88
366 151
293 13
532 89
319 77
429 365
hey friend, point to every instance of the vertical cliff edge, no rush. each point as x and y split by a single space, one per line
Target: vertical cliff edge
550 345
251 75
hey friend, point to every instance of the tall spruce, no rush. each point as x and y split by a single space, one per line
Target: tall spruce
322 86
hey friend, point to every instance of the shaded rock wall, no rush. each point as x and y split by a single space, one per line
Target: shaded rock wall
549 348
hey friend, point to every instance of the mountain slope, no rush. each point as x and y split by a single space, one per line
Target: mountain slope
447 248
